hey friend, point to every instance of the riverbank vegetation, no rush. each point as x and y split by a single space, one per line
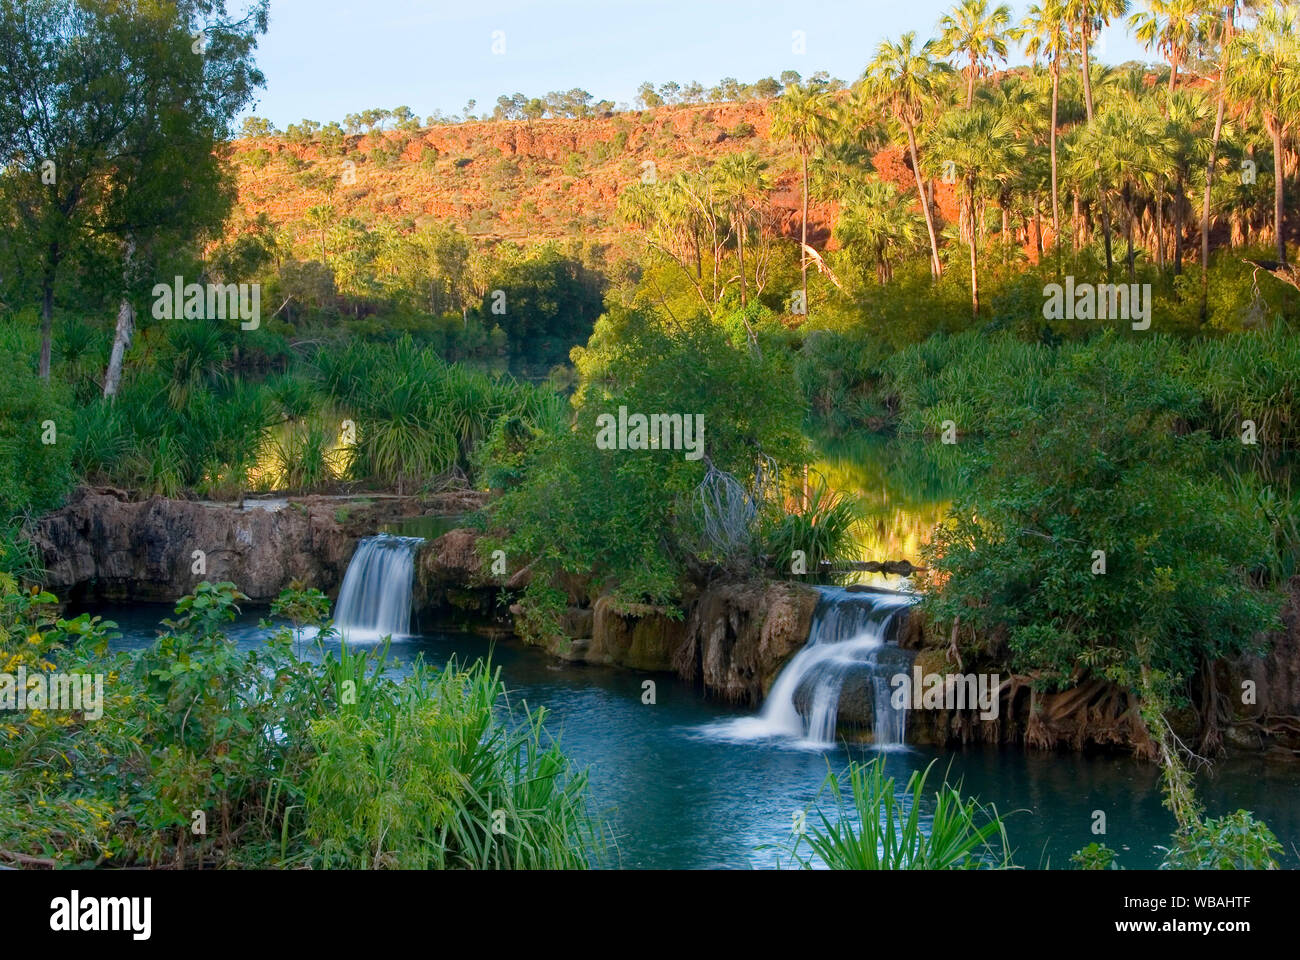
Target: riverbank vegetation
202 755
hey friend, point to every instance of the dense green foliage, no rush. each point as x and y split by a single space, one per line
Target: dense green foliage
626 521
324 761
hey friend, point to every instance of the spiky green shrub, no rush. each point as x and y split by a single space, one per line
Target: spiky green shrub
874 826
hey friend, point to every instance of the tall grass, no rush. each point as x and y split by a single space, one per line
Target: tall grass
874 828
823 529
417 417
425 774
303 458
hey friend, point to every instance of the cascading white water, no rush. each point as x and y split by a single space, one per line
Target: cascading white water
849 640
375 599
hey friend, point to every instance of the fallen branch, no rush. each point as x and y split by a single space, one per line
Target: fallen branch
27 860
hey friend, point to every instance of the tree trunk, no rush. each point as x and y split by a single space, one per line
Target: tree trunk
974 268
803 234
1279 191
47 323
936 268
740 246
1160 232
125 324
1056 202
1129 208
1228 23
1178 227
1087 70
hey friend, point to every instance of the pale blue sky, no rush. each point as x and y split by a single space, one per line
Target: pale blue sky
327 58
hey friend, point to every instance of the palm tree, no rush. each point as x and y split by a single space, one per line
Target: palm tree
1171 27
803 116
904 81
972 32
320 217
1046 32
1189 116
1089 17
1220 33
1126 151
983 149
1265 79
873 218
742 182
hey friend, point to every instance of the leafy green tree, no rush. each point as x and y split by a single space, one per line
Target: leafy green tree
1046 33
1088 18
982 150
743 181
1123 554
874 221
87 88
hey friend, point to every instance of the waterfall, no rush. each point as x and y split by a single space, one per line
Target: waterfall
850 653
375 599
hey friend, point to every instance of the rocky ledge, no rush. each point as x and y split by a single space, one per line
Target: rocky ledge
104 545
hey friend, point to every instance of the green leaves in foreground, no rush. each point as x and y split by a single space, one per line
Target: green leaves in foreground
877 828
324 760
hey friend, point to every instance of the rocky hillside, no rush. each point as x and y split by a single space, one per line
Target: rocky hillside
523 181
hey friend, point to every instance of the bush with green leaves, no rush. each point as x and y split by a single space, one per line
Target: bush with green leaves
620 520
1097 532
418 417
37 439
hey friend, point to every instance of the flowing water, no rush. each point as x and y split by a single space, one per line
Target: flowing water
679 793
850 643
375 599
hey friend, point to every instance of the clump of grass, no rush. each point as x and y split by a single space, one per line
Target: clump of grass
874 828
823 529
304 458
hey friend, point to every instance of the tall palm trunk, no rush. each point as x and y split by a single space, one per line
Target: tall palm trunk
1178 226
1056 201
1086 33
1087 69
974 263
936 269
1160 230
803 232
1279 189
1130 210
740 246
1228 25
